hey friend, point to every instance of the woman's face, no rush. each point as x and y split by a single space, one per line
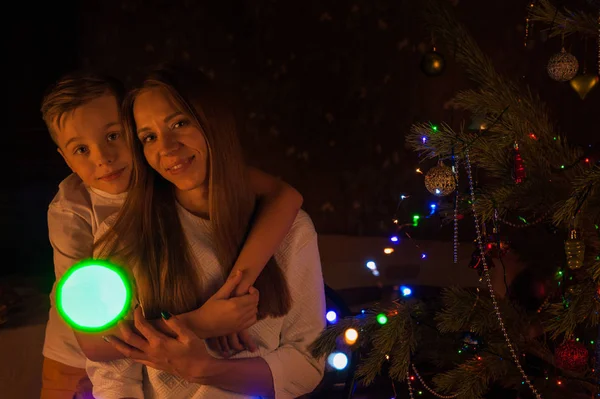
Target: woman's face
173 144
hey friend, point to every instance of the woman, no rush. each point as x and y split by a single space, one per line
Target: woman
194 209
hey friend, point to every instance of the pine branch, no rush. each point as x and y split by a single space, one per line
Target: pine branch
567 22
403 349
471 379
582 310
587 181
394 340
326 343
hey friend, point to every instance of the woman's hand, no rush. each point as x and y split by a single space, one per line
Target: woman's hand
185 355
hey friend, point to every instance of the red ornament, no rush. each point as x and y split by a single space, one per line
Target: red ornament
476 262
571 355
519 173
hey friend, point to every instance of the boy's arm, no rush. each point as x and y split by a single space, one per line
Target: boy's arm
279 204
72 241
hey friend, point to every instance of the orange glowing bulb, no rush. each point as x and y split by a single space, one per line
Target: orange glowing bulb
350 336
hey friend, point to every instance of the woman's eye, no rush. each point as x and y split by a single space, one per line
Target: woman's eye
179 124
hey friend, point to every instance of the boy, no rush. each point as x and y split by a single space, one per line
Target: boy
81 112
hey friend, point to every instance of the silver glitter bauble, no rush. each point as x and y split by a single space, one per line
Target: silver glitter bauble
563 66
440 180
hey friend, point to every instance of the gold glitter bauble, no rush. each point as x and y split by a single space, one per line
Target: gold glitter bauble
440 180
563 66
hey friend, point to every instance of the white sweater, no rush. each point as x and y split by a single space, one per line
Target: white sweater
282 342
75 220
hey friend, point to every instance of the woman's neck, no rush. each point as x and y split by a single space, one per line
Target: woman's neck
194 201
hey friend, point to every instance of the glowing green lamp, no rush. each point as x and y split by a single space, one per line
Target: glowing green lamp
93 295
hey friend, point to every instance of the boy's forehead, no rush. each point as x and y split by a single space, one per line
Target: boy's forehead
88 120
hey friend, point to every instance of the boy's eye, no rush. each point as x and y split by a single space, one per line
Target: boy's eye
113 136
80 150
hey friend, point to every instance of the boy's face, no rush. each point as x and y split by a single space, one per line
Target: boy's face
92 142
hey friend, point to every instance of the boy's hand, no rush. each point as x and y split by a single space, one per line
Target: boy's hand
237 342
222 315
244 285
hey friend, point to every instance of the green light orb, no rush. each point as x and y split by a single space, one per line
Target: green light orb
93 295
382 319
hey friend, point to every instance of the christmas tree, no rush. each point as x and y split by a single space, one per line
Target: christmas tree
529 177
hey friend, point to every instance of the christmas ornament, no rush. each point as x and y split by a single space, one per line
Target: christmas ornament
476 261
496 248
432 63
478 123
519 173
583 84
471 342
440 180
575 250
571 355
563 66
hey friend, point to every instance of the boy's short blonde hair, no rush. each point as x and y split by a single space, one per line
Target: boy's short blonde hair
74 90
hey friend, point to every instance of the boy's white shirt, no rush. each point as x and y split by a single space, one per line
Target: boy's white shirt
74 219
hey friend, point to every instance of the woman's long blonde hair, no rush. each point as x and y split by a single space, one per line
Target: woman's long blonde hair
148 236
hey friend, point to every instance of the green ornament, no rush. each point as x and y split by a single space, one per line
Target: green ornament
575 250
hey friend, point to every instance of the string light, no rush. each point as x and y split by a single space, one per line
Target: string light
371 265
528 26
419 171
388 251
331 317
416 220
394 238
338 360
423 255
406 291
351 336
382 319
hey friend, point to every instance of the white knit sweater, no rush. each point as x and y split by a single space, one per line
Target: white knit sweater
282 342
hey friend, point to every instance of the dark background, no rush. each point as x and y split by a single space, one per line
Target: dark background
328 89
